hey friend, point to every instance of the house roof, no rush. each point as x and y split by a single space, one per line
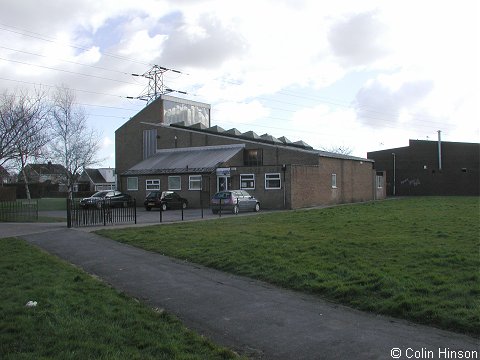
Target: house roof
3 172
191 160
48 168
94 175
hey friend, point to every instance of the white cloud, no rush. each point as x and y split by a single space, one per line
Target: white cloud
242 113
107 142
417 61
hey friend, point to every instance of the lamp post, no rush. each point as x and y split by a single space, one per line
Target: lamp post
394 173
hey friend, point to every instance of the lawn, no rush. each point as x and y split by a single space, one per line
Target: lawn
79 317
412 258
49 204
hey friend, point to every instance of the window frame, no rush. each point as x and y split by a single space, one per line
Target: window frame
179 177
253 160
334 181
151 186
380 181
267 180
192 181
252 179
133 188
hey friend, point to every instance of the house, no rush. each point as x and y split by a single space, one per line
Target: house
430 168
94 180
197 160
40 173
5 176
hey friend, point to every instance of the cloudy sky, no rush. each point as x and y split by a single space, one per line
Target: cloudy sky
367 75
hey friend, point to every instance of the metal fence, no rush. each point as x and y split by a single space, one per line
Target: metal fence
103 213
19 211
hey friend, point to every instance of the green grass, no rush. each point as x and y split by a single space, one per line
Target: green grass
50 204
414 258
78 317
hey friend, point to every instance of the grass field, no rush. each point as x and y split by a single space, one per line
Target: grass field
413 258
50 204
78 317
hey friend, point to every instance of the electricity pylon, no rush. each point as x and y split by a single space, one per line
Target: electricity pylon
156 85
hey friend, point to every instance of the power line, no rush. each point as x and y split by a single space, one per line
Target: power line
67 71
145 97
66 61
52 40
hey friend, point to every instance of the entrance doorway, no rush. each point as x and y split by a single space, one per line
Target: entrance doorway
224 183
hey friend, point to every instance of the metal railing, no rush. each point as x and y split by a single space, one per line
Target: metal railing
19 211
101 214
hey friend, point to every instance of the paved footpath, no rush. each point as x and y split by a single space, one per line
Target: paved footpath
251 317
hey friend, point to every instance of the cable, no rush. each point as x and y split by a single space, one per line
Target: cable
67 61
67 71
283 92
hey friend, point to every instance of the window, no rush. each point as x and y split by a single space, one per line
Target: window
334 181
195 182
174 183
272 181
152 185
132 183
247 181
253 157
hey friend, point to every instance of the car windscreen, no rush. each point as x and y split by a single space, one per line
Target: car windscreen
222 195
100 194
152 194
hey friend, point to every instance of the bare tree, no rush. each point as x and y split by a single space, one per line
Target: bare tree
23 125
73 144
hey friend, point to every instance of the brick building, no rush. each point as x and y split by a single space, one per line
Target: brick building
196 160
430 168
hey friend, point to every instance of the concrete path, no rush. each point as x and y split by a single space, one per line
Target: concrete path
251 317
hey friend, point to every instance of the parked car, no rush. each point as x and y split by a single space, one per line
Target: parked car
110 198
165 200
234 201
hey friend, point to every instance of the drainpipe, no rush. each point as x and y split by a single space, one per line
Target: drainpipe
284 169
439 150
394 175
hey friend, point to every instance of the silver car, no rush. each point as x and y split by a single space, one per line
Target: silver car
234 201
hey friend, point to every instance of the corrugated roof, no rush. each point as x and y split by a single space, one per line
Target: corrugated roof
193 159
252 137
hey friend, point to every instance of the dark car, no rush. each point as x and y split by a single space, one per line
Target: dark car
164 200
234 201
111 198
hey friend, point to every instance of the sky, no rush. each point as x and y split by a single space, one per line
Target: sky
364 75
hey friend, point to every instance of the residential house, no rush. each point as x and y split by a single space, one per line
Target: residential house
40 173
94 180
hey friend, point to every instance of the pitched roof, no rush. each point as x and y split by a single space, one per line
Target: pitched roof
48 168
191 160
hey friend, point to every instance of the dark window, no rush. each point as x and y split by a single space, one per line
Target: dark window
253 157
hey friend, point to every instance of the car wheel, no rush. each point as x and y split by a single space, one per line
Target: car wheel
164 207
257 207
99 205
148 208
235 210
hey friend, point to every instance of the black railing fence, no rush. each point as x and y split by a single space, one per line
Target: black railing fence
102 213
19 211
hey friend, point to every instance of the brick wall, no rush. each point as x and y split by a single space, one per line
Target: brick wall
312 185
